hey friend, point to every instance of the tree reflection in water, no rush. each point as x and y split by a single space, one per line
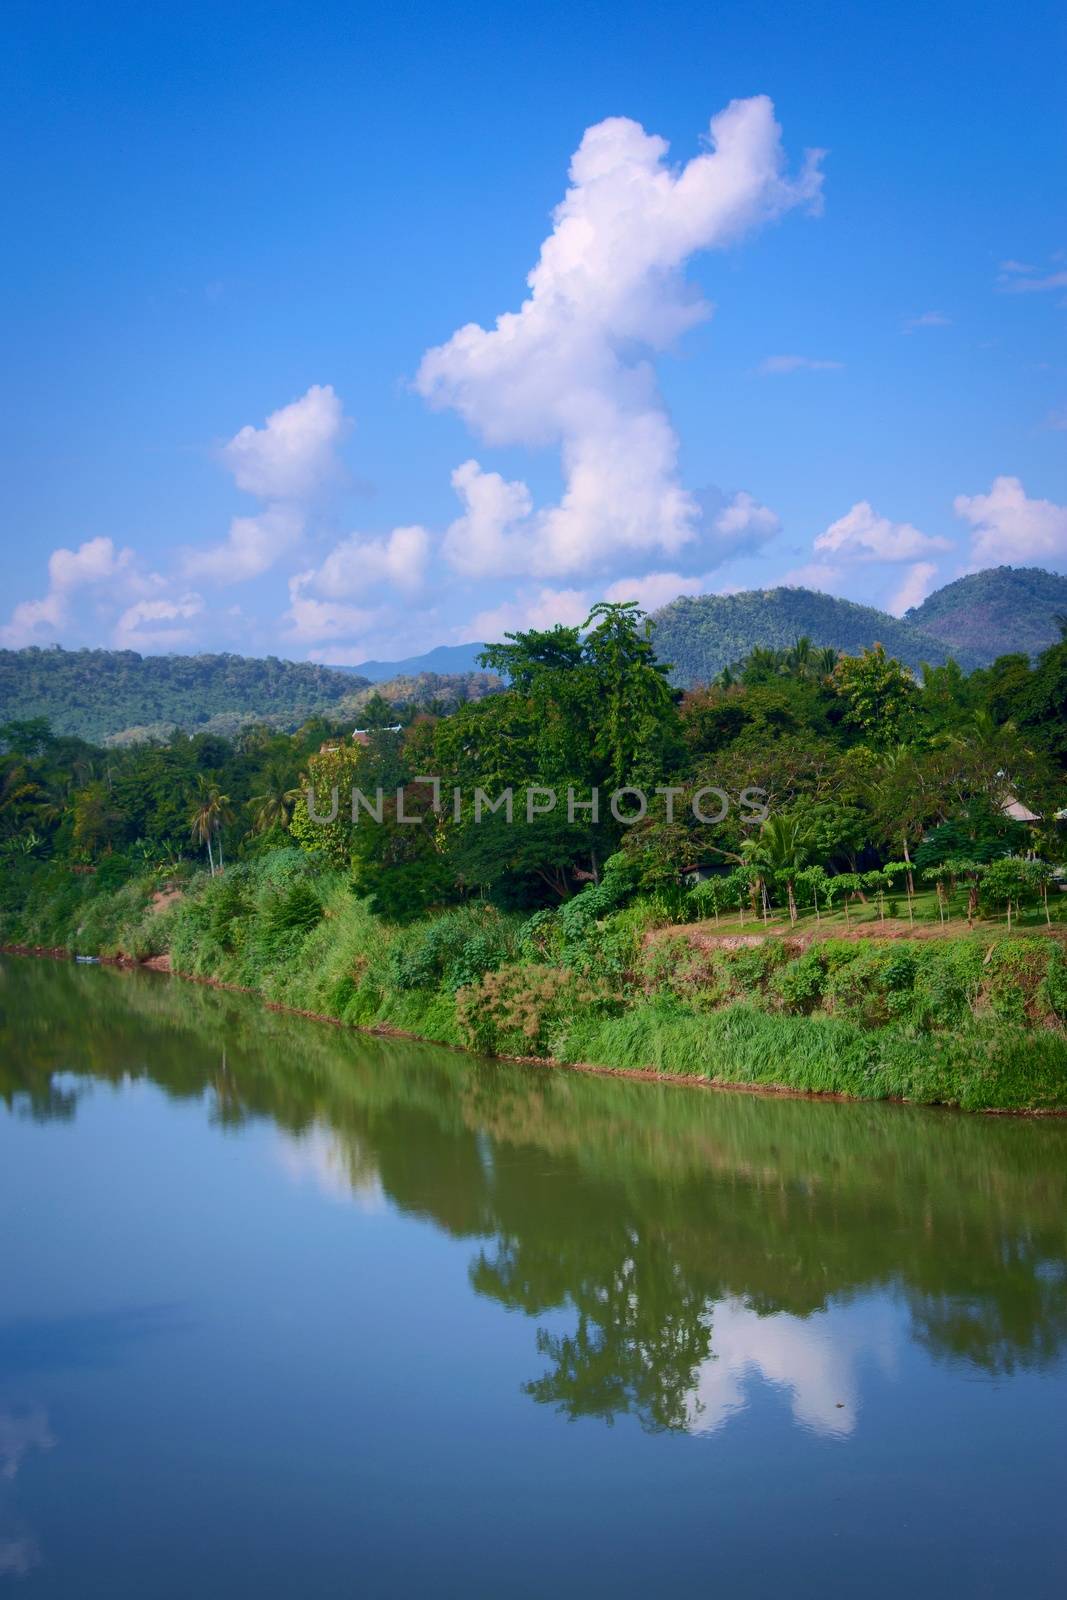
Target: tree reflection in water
669 1241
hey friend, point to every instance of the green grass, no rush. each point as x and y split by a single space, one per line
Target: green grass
863 917
969 1018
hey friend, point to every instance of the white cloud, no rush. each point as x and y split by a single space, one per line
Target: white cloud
569 368
540 608
251 547
1017 278
137 627
925 319
94 563
293 456
864 536
1009 527
289 463
357 564
916 586
772 366
815 1359
483 543
746 523
820 575
310 620
657 589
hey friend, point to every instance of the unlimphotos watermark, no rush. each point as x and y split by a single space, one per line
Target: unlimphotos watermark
627 805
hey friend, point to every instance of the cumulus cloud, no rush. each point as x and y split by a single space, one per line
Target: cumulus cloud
92 564
150 624
1010 527
772 366
293 456
357 563
537 608
492 538
289 463
657 589
813 575
318 598
743 523
864 536
571 367
252 546
916 586
310 620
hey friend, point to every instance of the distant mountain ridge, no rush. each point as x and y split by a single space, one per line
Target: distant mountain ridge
997 612
1003 610
443 658
119 695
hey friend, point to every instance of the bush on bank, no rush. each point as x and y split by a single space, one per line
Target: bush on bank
975 1021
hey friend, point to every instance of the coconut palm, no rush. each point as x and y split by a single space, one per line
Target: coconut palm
274 807
782 848
209 815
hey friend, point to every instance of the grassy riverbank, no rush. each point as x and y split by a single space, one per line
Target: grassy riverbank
971 1019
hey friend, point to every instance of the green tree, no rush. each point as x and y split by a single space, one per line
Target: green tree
273 806
211 812
326 823
881 697
781 849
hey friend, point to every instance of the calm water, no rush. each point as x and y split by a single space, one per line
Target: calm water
289 1312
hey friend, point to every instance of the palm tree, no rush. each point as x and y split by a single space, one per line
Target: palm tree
800 659
782 848
274 807
210 813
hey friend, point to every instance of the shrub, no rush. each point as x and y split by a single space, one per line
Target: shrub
525 1010
799 985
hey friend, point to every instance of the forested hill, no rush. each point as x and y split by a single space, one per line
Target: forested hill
1003 611
120 697
699 636
94 693
118 694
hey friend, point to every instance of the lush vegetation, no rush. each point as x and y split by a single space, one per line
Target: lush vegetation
123 697
659 1203
702 634
120 697
887 930
975 619
999 610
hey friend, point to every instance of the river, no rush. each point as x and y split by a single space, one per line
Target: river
289 1311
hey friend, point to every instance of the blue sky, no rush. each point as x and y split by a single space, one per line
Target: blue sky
241 243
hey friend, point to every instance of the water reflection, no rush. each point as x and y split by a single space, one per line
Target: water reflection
673 1248
23 1430
815 1359
20 1432
340 1169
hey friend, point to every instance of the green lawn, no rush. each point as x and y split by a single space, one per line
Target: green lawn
863 918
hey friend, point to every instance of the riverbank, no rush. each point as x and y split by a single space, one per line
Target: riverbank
976 1020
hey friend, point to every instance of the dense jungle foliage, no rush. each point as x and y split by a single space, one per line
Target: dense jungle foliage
687 940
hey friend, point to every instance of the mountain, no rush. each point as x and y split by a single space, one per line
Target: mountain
444 658
1001 611
700 635
120 697
93 693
